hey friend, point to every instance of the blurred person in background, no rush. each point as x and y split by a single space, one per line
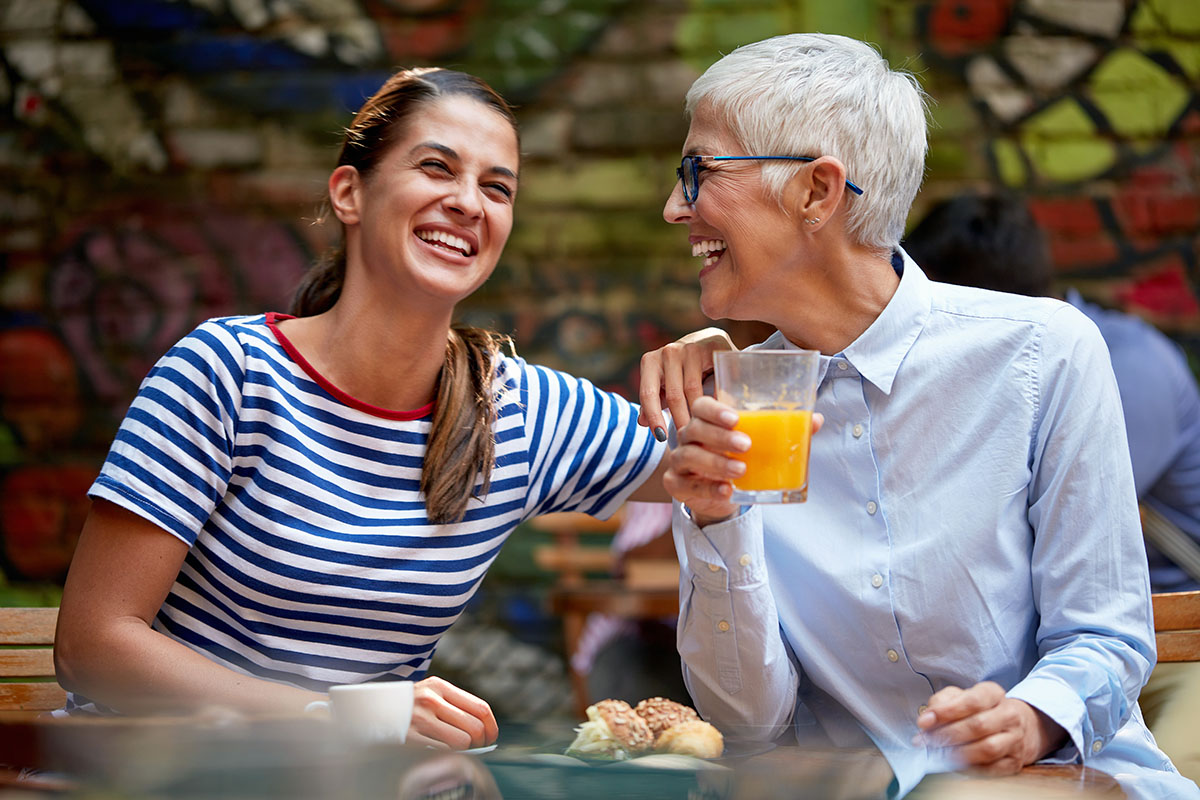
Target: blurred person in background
993 242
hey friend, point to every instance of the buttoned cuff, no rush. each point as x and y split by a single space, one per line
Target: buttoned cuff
1061 704
724 555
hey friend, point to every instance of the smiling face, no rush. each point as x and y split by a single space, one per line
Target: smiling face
742 233
432 217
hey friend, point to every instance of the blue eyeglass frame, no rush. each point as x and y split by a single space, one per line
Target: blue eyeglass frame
690 166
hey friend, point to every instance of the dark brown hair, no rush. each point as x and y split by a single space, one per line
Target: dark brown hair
461 445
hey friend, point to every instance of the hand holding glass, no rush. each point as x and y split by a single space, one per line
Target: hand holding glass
773 392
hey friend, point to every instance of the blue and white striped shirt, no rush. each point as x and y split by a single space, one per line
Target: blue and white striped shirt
312 561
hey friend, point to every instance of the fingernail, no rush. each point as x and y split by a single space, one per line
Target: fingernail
728 418
735 468
741 441
660 433
927 718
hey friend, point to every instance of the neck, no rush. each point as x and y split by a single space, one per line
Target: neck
375 351
841 294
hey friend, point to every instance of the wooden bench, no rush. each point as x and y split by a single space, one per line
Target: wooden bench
1177 625
591 578
27 681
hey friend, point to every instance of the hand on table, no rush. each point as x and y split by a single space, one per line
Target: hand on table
446 717
699 471
984 730
673 376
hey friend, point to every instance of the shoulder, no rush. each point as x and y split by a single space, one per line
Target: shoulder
1039 318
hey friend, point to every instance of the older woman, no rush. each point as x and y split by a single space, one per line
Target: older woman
966 585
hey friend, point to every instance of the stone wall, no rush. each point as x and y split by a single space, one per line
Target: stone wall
163 160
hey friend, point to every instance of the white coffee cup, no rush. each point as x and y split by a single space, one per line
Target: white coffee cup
371 712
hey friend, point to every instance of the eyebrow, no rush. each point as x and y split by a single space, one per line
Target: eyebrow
450 152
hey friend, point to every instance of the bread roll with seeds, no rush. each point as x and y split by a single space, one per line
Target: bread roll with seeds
661 713
693 738
613 731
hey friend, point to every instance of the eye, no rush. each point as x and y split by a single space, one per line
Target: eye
435 164
502 189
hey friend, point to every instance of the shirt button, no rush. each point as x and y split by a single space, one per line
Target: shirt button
893 656
744 560
1097 746
871 507
713 568
921 709
858 431
877 580
722 626
842 365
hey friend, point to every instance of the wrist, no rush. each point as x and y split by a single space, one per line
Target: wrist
702 520
1050 736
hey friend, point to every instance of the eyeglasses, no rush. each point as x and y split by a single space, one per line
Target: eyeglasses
689 171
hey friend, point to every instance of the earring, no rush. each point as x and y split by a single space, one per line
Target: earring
812 221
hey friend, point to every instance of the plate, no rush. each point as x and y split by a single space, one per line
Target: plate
737 749
671 761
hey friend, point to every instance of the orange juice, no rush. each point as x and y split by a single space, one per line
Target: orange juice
778 454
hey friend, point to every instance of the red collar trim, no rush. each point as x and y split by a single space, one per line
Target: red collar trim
273 318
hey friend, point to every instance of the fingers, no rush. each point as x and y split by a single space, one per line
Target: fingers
673 377
699 470
980 728
446 717
952 703
650 395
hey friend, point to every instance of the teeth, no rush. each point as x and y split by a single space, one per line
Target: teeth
448 239
706 247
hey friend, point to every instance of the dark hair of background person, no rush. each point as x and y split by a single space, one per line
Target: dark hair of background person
460 444
991 242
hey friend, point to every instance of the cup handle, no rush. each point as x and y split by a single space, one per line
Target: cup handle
316 705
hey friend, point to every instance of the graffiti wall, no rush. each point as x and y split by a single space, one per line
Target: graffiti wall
164 161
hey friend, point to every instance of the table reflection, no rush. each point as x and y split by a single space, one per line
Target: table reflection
221 755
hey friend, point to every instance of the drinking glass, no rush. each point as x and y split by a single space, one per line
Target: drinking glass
773 392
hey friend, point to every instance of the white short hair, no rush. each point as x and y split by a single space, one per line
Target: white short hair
811 94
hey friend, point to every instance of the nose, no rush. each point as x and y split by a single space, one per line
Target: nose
677 210
467 200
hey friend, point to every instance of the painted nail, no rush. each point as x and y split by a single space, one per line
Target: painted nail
660 433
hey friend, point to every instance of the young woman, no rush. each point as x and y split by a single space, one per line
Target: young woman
299 501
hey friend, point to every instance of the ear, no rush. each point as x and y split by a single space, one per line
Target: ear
344 194
824 185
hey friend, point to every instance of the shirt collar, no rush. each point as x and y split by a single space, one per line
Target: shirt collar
879 351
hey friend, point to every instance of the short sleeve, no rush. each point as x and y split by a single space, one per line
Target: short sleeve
587 451
172 458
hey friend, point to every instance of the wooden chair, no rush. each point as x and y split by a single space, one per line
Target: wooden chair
590 579
1177 625
27 681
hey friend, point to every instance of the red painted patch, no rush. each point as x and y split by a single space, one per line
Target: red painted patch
1067 216
1164 292
960 27
1155 213
42 510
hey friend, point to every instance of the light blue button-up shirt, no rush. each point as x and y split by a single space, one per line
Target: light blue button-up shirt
971 516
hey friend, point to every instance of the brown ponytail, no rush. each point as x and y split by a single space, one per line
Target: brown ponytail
321 286
461 444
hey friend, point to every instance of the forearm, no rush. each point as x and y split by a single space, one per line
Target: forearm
133 669
736 666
